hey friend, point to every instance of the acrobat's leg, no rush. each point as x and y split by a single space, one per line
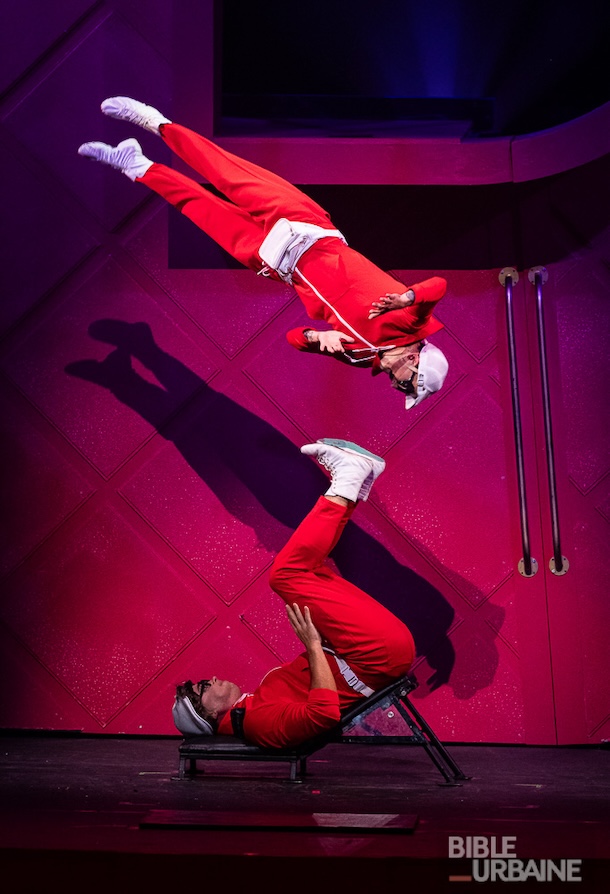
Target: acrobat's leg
370 638
264 195
231 227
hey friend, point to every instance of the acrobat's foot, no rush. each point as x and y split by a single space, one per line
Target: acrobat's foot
123 108
353 470
127 157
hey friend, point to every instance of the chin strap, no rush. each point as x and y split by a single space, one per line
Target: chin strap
237 721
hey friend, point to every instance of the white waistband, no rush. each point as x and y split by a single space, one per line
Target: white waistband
349 676
287 241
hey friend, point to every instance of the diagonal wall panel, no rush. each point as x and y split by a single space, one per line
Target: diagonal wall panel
154 418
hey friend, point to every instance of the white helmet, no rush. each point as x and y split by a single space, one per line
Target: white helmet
188 721
431 374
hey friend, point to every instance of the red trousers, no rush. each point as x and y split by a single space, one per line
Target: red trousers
374 642
257 197
254 200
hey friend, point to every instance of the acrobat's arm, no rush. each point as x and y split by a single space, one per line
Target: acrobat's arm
319 668
329 341
417 302
391 301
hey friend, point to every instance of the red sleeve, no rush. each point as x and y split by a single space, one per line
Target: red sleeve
289 723
297 339
427 295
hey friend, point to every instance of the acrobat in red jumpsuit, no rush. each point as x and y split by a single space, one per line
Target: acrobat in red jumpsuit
375 644
257 200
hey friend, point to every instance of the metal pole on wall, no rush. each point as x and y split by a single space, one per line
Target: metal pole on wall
528 566
558 563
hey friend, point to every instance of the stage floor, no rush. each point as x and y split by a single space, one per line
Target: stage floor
85 813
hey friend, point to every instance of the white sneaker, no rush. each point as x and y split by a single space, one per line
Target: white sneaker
377 461
353 470
125 109
127 157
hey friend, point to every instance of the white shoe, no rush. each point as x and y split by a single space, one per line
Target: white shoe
125 109
377 462
127 157
353 470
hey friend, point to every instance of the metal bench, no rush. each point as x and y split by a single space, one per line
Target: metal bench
234 748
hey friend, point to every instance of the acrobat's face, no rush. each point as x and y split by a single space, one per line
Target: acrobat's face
401 364
217 696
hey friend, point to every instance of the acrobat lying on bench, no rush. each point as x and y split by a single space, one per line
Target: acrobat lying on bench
311 700
235 748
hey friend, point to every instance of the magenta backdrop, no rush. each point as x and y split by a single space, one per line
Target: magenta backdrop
152 418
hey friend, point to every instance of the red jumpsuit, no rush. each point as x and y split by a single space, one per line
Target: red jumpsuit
257 199
378 647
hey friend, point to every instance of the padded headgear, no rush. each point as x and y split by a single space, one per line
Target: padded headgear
188 721
431 374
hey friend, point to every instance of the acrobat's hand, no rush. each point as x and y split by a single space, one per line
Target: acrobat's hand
303 625
331 341
391 301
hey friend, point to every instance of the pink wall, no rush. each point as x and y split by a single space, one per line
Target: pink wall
152 419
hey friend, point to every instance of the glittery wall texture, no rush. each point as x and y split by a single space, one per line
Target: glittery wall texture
152 415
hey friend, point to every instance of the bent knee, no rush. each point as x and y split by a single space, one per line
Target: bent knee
401 648
279 576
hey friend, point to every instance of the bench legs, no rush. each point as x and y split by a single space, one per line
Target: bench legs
187 766
434 748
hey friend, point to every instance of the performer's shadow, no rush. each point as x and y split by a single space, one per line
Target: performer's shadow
222 441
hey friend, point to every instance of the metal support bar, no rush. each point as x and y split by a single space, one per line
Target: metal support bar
434 747
528 566
558 564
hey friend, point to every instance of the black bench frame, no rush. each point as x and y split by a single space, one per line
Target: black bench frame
214 748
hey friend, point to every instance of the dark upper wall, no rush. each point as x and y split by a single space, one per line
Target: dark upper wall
443 227
541 62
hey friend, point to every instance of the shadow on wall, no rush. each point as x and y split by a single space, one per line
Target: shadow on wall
241 445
